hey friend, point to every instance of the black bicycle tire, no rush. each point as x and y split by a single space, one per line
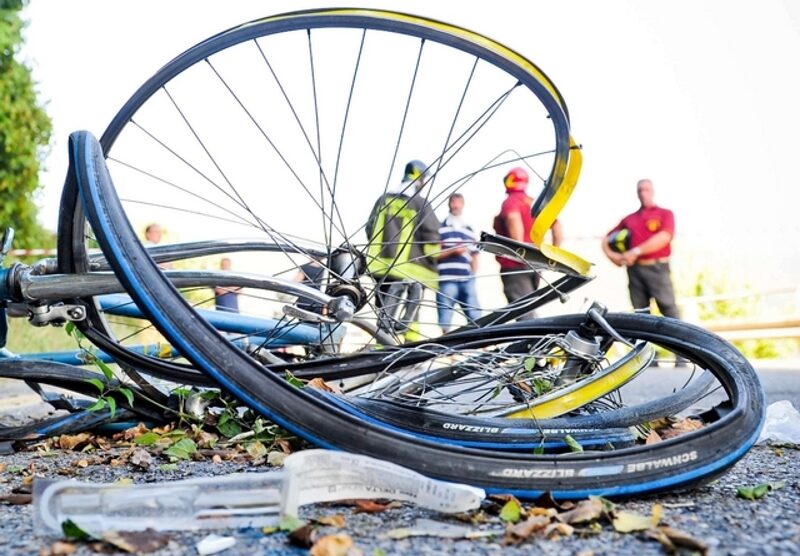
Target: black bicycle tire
73 423
680 462
76 380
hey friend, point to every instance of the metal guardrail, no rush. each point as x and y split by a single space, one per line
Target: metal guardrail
785 324
31 252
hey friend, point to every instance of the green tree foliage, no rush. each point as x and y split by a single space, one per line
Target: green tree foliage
24 134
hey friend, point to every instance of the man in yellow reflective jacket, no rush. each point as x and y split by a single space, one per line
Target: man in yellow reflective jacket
403 234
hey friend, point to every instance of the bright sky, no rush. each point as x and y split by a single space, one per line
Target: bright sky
699 96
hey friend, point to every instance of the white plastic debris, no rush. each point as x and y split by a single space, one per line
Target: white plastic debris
213 544
325 476
241 499
782 424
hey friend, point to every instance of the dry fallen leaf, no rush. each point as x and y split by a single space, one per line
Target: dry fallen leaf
15 499
164 430
256 449
137 542
332 520
58 548
549 512
502 498
584 512
681 538
546 500
276 458
556 530
102 443
332 545
304 536
141 458
374 507
661 537
284 445
73 441
681 427
131 433
472 517
320 384
205 439
629 522
652 438
524 529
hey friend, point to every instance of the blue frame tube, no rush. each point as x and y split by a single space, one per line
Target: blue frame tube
233 323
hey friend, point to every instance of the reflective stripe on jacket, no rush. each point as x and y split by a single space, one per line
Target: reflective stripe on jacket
403 235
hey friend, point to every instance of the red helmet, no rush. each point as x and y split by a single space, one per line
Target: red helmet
516 180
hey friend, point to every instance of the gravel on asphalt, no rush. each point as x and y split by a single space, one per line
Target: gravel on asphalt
728 524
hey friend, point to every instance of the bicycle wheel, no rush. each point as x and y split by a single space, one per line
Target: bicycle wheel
676 462
306 119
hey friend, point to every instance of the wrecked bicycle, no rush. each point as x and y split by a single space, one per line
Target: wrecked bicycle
521 407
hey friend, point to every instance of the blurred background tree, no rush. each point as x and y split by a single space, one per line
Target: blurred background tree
24 135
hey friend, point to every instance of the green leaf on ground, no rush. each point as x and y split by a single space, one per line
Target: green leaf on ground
128 393
227 427
146 439
530 363
541 386
182 392
294 381
573 444
97 383
511 511
757 491
73 532
98 405
103 366
291 523
182 449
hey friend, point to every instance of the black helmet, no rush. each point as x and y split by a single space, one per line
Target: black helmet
414 170
620 241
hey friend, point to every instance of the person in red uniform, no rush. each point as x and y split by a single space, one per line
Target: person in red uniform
515 221
645 252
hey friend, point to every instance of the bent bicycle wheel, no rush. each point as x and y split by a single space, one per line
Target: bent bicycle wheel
305 120
676 462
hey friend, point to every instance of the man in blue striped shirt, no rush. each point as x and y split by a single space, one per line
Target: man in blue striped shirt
457 265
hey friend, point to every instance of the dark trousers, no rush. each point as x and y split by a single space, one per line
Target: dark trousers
399 302
646 282
518 284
